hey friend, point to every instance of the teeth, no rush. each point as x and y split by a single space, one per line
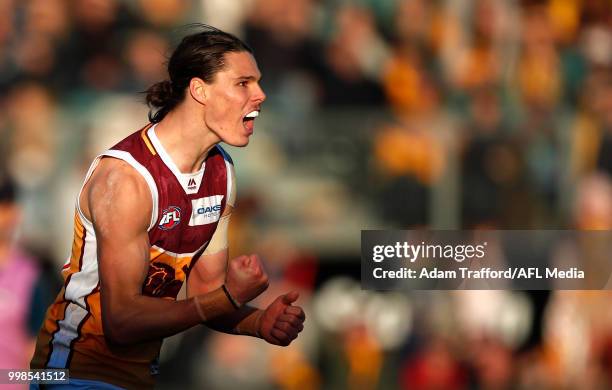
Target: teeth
252 114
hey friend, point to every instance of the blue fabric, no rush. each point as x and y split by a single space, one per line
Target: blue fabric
225 155
81 384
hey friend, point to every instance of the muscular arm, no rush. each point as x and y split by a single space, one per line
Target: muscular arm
118 202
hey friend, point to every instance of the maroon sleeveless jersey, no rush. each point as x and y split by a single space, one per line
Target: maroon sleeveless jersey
186 210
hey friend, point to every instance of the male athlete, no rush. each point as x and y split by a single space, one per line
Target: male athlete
154 211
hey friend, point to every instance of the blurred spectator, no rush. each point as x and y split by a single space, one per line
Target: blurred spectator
408 87
24 293
353 57
164 13
538 73
593 206
145 53
408 159
603 102
32 152
281 34
433 368
227 16
591 131
493 169
93 66
364 357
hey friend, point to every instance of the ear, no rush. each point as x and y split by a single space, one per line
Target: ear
198 89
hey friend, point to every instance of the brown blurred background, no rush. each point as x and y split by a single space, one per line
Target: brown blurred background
381 114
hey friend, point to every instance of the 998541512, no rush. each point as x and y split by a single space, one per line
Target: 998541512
44 376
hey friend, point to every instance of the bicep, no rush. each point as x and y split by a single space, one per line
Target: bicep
120 208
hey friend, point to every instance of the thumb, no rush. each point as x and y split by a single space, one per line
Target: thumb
290 297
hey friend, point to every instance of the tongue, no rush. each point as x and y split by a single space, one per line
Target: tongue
249 124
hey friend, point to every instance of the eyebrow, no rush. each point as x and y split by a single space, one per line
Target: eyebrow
250 78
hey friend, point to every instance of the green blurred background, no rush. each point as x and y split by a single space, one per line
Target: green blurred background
381 114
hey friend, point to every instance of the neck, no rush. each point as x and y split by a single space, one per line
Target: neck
186 140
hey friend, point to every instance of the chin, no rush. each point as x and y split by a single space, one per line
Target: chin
242 144
238 141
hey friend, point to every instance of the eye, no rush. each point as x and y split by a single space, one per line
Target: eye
243 83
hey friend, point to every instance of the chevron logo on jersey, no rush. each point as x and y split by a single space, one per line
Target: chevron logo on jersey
170 218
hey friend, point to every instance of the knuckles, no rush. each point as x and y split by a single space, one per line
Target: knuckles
295 321
246 277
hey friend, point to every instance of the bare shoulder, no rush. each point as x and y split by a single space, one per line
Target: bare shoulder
116 195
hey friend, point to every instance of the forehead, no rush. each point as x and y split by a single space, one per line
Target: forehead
241 64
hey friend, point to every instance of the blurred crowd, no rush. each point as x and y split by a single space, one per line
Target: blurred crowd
444 114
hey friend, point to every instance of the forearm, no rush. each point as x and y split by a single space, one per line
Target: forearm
144 318
244 321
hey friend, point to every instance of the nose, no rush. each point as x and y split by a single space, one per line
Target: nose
259 95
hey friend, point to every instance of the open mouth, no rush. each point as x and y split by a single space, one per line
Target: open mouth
251 116
249 119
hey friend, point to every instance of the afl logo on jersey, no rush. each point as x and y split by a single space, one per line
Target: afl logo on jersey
170 218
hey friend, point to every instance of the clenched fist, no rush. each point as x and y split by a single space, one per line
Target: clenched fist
245 278
281 322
